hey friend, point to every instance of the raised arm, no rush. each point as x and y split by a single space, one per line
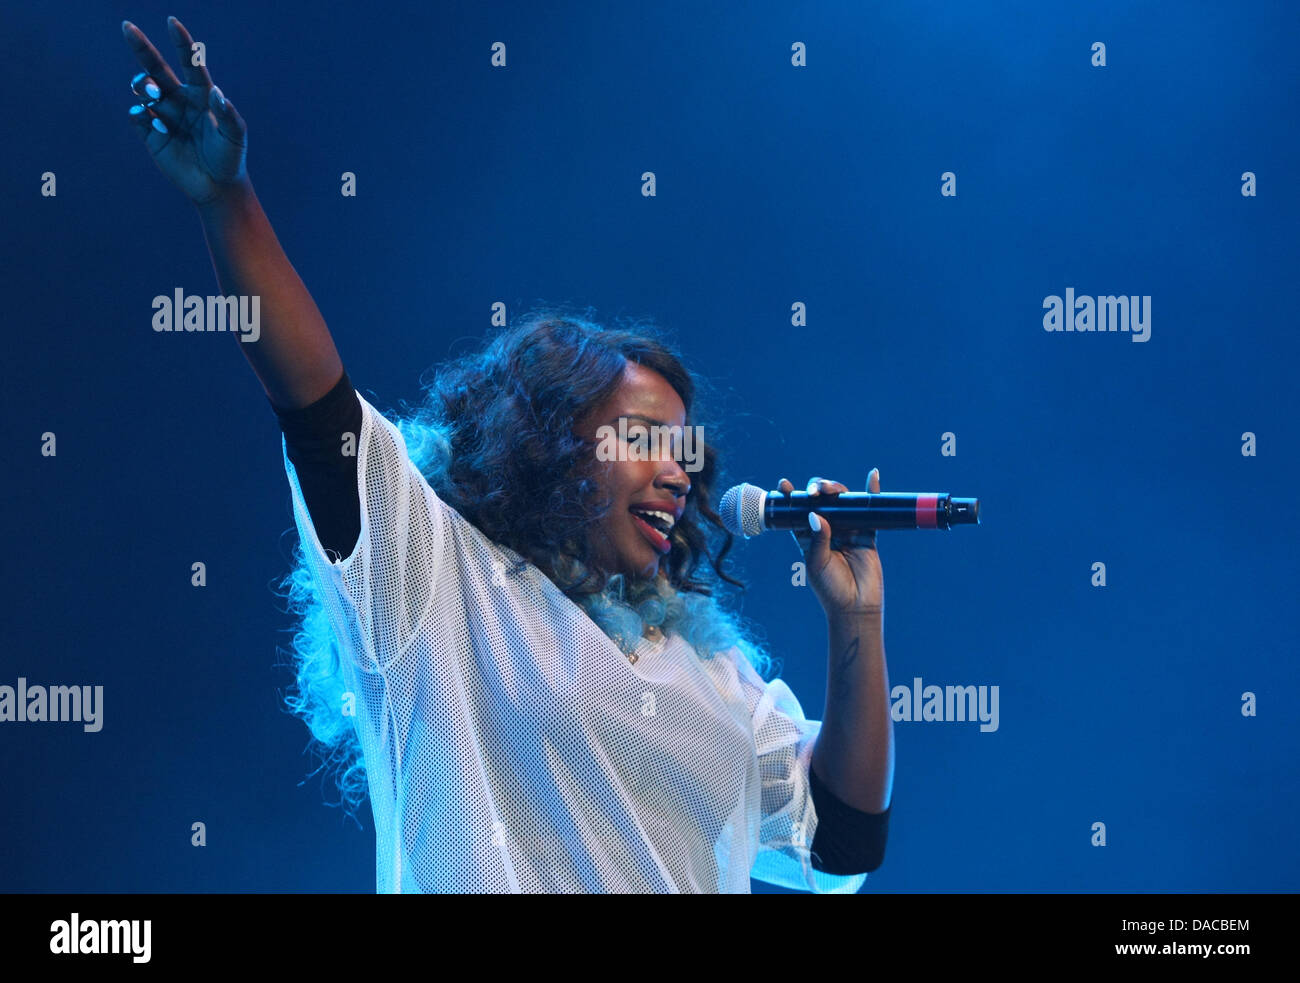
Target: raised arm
199 142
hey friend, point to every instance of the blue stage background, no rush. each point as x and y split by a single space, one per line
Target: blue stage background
776 185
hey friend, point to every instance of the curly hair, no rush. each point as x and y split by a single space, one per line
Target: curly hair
493 436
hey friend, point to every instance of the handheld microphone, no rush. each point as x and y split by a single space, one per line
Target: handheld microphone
747 510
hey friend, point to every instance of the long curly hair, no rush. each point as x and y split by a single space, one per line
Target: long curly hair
493 436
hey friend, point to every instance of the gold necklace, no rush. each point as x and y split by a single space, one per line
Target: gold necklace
652 632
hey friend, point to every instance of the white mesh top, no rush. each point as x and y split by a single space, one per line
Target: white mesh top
511 746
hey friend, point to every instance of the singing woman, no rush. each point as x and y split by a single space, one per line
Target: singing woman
510 643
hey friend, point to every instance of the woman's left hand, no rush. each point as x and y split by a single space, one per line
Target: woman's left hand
843 571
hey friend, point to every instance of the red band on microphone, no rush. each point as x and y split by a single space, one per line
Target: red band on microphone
927 512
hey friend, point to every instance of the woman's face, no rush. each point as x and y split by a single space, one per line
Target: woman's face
624 542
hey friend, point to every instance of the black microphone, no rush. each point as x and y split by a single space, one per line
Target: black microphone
747 510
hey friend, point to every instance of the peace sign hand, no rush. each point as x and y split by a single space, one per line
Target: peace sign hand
193 132
843 571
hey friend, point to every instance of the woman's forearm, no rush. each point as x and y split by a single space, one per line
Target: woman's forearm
854 753
294 356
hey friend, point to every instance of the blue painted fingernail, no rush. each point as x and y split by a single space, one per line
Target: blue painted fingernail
136 110
815 522
152 90
159 125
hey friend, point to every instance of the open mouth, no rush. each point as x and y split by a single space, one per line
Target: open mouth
654 526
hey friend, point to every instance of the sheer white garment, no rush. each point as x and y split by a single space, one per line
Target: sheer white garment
511 746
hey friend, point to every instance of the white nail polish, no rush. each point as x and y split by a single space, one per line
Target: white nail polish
815 522
159 125
152 90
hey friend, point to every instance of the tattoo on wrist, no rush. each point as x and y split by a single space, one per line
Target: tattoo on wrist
844 664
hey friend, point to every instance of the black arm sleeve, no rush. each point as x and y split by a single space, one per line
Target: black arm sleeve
313 438
848 840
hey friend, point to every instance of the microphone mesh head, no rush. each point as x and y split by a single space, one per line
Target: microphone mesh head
741 510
